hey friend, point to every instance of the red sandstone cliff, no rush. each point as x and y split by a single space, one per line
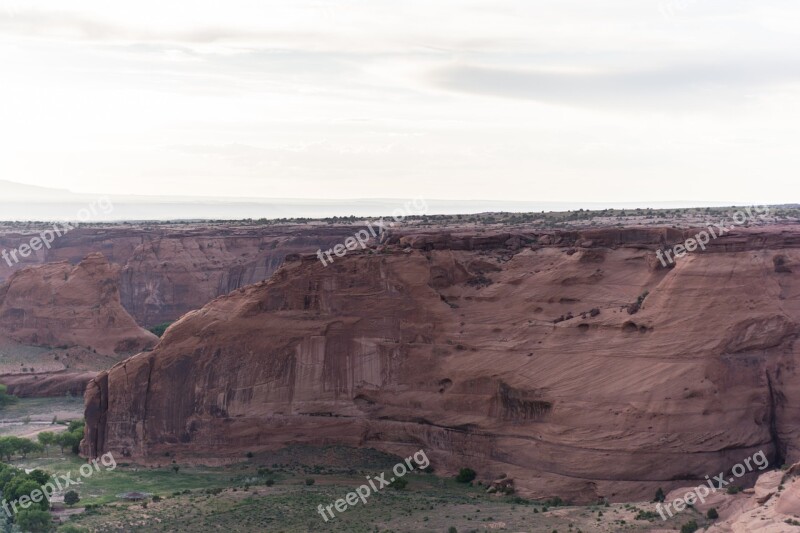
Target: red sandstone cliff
167 270
63 305
513 353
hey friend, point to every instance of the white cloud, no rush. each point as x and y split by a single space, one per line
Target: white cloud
546 100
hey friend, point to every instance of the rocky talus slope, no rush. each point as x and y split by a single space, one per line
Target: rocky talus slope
772 505
59 304
573 362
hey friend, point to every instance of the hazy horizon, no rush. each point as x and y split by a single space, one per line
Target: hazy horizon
20 202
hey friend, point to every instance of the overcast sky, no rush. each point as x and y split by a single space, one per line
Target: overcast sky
563 100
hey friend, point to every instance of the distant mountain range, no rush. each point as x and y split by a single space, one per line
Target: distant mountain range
21 202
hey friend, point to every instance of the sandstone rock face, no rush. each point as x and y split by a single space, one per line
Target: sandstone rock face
63 305
487 353
773 508
168 270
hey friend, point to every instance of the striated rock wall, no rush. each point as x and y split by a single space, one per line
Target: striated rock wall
168 270
63 305
509 353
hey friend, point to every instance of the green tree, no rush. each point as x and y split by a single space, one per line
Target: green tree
22 485
5 398
68 439
28 446
39 476
13 445
46 439
76 426
7 448
35 520
71 497
7 473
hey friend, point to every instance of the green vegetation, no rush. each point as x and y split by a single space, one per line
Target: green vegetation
10 446
69 528
71 497
399 484
712 514
16 484
34 520
734 489
466 475
159 329
689 527
5 398
646 515
46 439
269 492
69 439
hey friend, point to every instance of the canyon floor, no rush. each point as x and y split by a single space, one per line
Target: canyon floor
239 498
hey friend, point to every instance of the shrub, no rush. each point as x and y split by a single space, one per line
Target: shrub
689 527
269 482
71 497
309 481
69 528
646 515
159 329
465 475
712 514
156 498
734 489
398 484
660 497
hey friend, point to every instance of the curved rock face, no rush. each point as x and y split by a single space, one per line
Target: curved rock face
567 361
771 506
63 305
